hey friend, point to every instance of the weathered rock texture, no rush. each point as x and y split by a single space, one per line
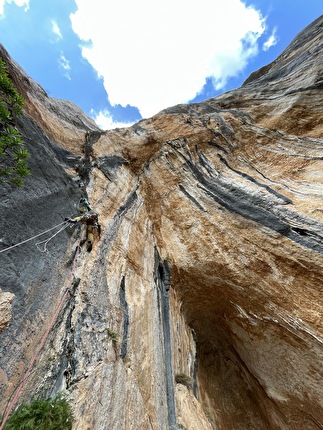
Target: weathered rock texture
201 304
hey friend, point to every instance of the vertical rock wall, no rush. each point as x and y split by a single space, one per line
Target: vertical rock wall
200 305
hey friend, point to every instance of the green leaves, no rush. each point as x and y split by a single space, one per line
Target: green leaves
50 414
13 154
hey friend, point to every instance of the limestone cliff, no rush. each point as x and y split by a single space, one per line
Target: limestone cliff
200 307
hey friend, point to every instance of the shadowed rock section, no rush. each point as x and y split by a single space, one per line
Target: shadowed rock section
124 307
201 304
162 280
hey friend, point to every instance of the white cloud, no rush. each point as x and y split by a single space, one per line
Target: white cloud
105 121
65 65
153 55
56 29
19 3
271 41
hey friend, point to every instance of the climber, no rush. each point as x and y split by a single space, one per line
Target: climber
84 205
91 219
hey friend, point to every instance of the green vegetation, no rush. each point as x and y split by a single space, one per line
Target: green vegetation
112 335
50 414
184 379
13 154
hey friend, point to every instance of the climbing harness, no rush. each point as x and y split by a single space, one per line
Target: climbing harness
65 223
89 218
42 342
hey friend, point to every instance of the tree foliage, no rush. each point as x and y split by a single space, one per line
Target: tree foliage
50 414
13 154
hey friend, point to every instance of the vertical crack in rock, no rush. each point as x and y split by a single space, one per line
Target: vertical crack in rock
162 280
53 370
69 343
84 169
124 307
195 365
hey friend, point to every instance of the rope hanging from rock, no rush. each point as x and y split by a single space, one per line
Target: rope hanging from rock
42 342
37 235
45 242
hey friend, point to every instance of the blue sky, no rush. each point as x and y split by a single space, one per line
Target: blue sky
124 60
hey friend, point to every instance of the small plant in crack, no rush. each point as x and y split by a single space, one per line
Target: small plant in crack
182 378
112 335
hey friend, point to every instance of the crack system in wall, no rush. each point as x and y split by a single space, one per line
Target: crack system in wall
124 307
162 280
195 366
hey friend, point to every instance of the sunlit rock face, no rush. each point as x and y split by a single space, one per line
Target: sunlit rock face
5 308
200 306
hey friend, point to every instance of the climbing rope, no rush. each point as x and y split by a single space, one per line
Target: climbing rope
42 342
45 242
37 235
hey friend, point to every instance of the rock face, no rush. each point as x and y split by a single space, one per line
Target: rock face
5 308
200 307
